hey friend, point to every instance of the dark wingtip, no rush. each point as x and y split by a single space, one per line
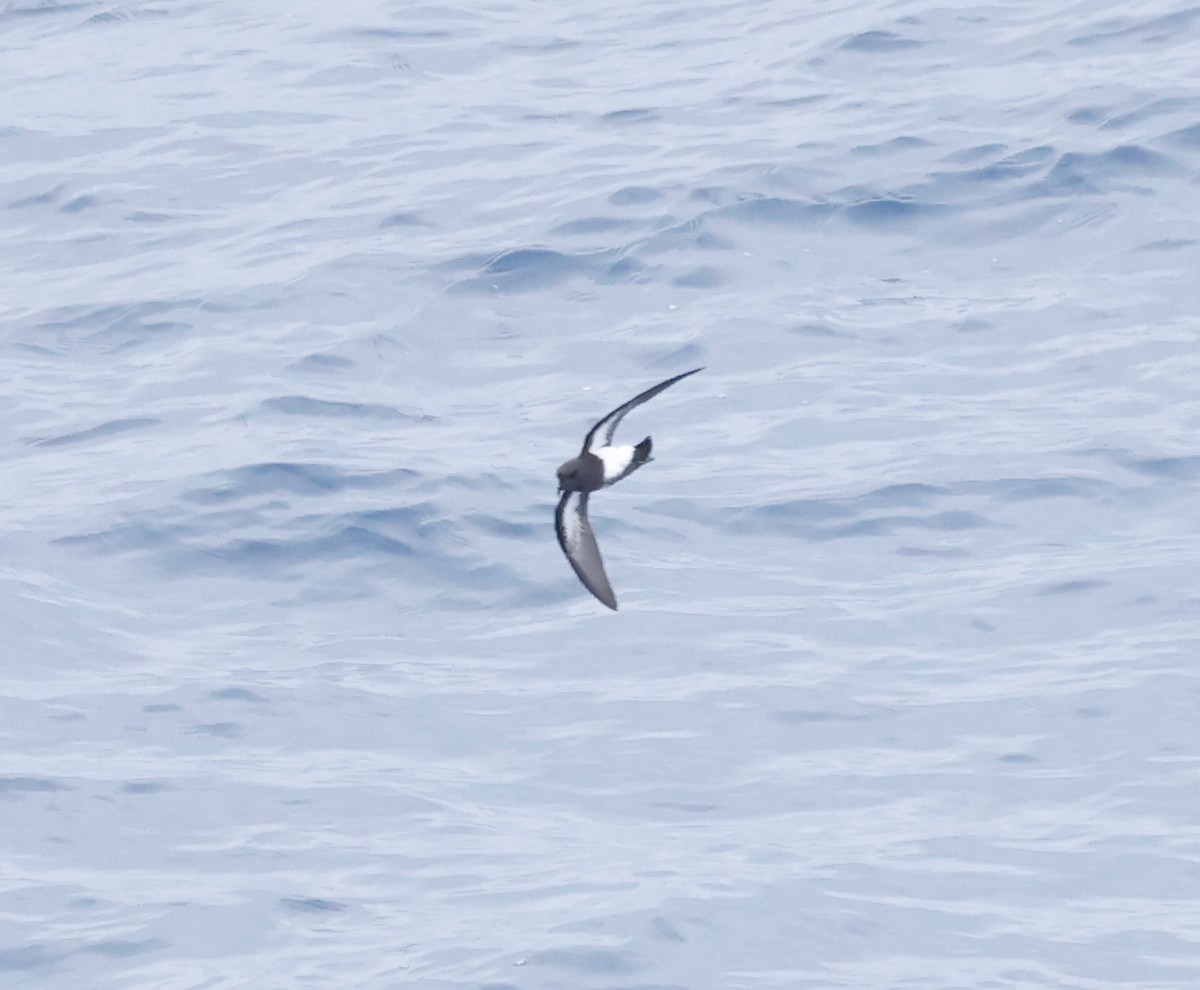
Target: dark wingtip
606 602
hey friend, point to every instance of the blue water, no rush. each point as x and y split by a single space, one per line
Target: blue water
303 305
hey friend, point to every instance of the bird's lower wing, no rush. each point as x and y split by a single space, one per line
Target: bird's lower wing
576 539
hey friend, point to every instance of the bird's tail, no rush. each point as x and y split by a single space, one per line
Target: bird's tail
641 453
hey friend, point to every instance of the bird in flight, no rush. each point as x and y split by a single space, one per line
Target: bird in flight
598 465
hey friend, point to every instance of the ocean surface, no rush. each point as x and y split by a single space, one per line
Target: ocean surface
302 305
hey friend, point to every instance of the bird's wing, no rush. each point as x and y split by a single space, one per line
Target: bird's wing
576 539
609 423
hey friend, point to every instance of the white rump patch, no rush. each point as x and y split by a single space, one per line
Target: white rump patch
616 461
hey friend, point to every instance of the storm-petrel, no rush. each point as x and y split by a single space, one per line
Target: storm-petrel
589 472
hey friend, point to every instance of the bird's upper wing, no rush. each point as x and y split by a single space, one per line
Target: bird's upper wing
609 423
576 539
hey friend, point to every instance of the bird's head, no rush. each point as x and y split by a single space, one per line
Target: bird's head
569 475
